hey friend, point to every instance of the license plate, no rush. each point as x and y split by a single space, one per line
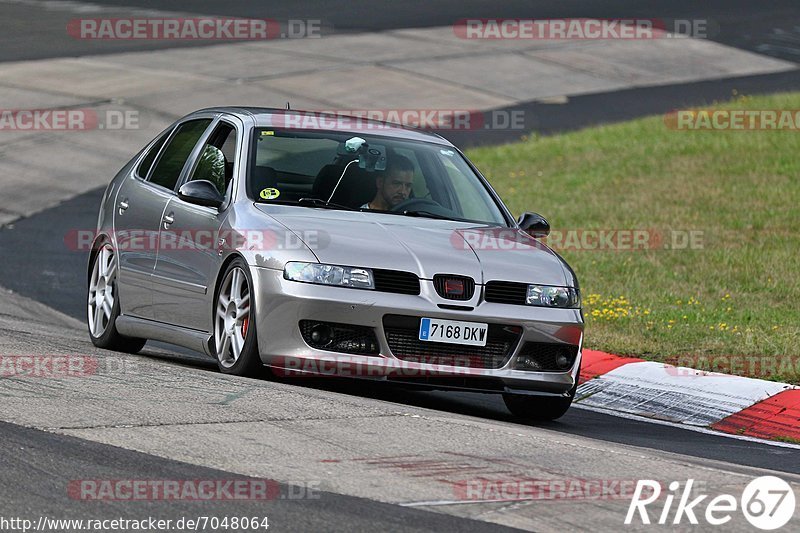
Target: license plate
453 331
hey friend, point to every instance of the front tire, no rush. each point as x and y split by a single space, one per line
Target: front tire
235 342
103 305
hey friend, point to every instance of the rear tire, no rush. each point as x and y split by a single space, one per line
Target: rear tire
540 407
103 305
235 341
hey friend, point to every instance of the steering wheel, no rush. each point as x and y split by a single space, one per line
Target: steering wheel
418 204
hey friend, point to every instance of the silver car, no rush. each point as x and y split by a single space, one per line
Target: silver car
320 245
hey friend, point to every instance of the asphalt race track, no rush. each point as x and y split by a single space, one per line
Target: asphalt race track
56 460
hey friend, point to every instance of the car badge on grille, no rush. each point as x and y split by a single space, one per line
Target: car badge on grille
454 287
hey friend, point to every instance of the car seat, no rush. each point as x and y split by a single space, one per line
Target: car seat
356 188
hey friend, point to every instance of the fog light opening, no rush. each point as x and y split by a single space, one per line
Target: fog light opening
563 362
322 334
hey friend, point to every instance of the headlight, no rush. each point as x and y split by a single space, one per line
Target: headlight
343 276
546 296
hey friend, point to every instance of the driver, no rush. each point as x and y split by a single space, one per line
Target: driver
394 185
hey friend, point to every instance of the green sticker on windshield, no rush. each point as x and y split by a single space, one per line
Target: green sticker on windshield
270 193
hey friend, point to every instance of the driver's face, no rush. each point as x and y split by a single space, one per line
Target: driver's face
396 188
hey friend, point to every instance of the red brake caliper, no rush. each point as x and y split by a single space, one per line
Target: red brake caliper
245 322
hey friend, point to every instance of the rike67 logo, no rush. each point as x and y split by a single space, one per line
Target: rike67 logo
767 502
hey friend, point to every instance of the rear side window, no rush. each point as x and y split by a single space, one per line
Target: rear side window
169 165
147 162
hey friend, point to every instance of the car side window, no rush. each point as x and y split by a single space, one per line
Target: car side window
467 192
174 156
216 159
144 166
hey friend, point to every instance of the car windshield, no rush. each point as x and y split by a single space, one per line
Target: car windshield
369 173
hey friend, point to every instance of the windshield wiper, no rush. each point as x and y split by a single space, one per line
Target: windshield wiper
319 202
427 214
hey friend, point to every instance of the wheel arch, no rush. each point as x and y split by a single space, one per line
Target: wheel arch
99 241
221 272
217 282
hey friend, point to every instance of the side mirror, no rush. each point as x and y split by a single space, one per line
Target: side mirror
534 224
201 192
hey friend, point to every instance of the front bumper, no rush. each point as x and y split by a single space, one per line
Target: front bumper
281 304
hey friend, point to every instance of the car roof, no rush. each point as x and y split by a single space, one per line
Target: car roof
316 121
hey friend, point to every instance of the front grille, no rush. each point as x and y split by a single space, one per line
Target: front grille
402 334
542 356
440 284
395 281
343 338
506 292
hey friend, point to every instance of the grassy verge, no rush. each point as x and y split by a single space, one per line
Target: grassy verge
730 302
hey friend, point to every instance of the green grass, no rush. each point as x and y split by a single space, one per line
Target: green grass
790 440
741 189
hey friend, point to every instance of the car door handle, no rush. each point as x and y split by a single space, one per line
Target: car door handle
168 220
123 205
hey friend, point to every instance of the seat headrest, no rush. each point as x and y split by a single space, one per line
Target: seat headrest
356 188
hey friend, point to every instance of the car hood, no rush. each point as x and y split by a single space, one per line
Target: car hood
423 246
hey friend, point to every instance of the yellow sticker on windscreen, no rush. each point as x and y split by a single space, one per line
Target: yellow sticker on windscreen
267 133
270 193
